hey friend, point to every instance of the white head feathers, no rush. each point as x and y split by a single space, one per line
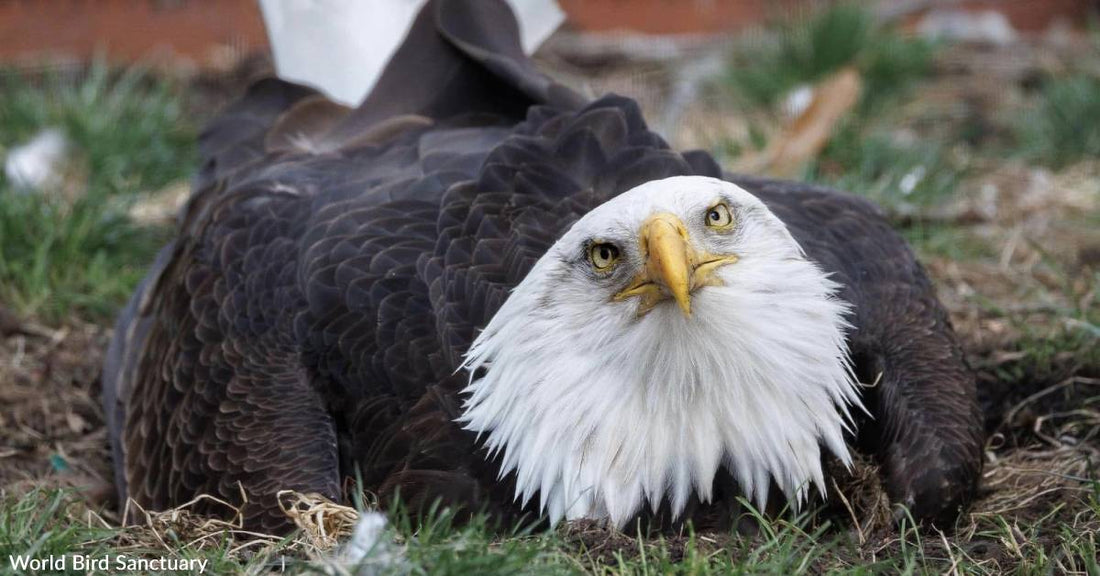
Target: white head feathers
601 401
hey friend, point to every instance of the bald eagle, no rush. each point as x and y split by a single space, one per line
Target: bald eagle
480 288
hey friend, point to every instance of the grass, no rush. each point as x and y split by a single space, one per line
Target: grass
861 156
439 545
1059 130
38 524
131 124
61 257
891 173
56 522
1053 350
810 48
58 260
941 240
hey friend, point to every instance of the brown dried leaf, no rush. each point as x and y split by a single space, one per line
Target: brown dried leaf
804 139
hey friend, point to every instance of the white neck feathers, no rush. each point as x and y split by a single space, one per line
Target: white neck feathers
600 411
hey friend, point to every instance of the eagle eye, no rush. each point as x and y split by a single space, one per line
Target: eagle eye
719 217
603 255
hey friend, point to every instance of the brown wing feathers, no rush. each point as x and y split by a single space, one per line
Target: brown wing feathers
926 428
334 265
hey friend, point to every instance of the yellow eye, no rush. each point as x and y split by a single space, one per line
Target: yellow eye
718 216
603 255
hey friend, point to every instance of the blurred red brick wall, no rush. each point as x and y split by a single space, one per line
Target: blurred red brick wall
691 16
1036 15
198 31
201 32
672 16
213 32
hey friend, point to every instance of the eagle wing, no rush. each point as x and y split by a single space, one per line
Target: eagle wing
925 426
333 266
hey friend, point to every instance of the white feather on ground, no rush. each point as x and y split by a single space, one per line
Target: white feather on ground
370 551
39 163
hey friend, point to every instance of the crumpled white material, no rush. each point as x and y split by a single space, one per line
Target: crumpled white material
341 46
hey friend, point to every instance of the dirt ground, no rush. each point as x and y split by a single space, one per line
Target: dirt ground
1036 256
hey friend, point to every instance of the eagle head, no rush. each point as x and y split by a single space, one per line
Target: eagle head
674 329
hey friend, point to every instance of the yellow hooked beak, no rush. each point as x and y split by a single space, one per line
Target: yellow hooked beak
673 268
